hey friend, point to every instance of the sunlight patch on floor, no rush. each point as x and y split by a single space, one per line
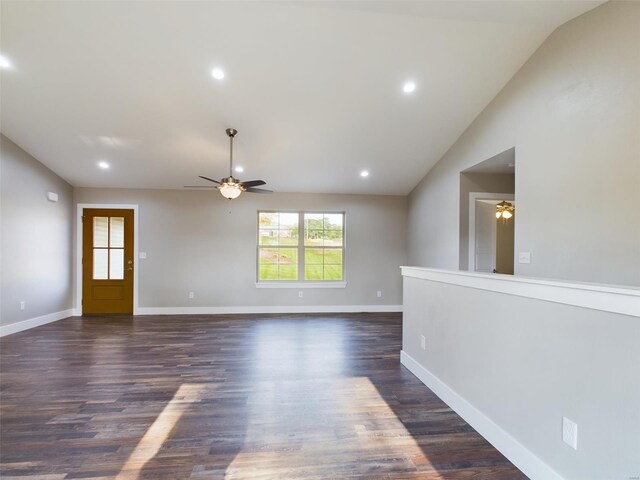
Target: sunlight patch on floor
340 419
154 438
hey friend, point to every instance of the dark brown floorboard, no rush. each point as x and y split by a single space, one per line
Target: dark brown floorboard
228 396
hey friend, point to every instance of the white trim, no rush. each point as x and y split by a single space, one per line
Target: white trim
116 206
269 309
301 285
607 298
34 322
473 196
518 454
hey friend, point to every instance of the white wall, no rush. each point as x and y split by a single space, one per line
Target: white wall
525 363
198 241
573 115
36 237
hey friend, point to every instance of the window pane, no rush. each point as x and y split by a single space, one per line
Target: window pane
116 264
313 237
288 221
268 256
268 237
288 237
100 231
313 256
333 238
268 219
313 272
333 256
333 272
288 272
100 263
333 221
268 272
313 221
116 232
288 256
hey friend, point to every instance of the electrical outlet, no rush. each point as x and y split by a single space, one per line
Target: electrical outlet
192 295
423 342
300 294
570 433
23 305
379 294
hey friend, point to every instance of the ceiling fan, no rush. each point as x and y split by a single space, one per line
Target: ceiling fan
231 187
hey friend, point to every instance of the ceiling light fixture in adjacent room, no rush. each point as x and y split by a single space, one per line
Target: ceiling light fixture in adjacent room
504 210
217 73
364 173
103 165
409 87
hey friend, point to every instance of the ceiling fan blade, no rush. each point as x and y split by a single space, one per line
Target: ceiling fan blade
199 186
210 179
253 183
258 190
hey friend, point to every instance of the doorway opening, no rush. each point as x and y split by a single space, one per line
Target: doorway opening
487 242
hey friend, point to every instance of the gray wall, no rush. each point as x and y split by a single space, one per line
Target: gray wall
573 115
526 363
478 182
36 237
198 241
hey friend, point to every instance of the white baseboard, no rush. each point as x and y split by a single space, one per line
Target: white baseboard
518 454
267 309
34 322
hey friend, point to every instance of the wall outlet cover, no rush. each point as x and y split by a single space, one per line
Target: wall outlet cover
379 293
52 196
423 342
524 257
142 255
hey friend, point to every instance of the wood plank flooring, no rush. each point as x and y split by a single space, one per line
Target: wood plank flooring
228 396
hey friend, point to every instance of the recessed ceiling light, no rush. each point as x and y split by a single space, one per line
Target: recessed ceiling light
103 165
409 87
217 73
4 62
364 173
239 169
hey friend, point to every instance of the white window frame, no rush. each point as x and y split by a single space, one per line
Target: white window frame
301 282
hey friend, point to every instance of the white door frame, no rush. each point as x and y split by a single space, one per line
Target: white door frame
79 240
473 196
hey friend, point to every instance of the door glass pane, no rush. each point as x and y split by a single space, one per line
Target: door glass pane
100 231
100 260
116 264
116 233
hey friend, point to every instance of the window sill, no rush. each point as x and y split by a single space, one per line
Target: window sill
301 285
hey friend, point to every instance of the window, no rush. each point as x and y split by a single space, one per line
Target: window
108 248
284 256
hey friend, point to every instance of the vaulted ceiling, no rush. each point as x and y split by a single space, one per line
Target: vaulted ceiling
314 88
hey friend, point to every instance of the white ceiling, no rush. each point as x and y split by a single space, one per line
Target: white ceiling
314 88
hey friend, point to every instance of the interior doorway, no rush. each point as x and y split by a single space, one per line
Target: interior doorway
491 239
107 261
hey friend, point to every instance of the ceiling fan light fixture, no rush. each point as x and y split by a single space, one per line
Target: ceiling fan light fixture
230 190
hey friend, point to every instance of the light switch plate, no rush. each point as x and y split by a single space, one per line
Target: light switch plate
570 433
143 255
524 257
52 196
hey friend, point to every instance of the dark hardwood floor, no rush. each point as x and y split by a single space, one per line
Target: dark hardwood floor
228 396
